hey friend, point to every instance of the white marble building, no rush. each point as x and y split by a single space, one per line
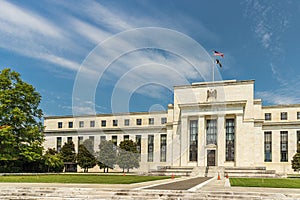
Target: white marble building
208 124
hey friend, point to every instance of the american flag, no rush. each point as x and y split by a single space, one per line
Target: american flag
216 53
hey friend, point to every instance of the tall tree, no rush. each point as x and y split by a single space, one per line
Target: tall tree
85 158
128 157
107 155
19 110
296 160
67 152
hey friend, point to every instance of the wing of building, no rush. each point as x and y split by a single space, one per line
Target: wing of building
208 124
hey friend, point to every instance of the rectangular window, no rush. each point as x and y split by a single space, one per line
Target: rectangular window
193 140
92 123
70 124
126 122
211 131
114 140
81 124
298 141
115 122
59 124
126 137
268 116
139 122
102 138
58 144
268 146
69 139
80 140
283 146
150 147
151 121
283 116
103 123
230 139
163 120
163 147
298 115
92 138
138 140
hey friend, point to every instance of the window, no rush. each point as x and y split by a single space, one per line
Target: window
80 140
115 122
283 116
163 148
268 146
138 140
92 138
211 131
70 124
268 116
150 147
163 120
92 123
69 139
230 139
283 146
126 137
102 138
114 140
151 121
58 144
138 121
126 122
193 140
59 125
103 123
298 141
298 115
81 124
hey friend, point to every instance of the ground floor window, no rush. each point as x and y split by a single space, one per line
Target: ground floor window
163 148
268 146
58 144
211 131
229 139
193 140
138 141
150 147
283 146
298 141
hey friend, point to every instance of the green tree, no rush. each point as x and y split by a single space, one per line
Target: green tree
68 152
128 157
85 158
296 160
19 110
53 161
107 155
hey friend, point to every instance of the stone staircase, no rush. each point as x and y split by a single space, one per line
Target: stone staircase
169 171
79 193
254 172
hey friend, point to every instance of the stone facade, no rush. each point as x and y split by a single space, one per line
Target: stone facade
208 124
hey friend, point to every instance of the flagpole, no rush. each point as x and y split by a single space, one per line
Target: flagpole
213 70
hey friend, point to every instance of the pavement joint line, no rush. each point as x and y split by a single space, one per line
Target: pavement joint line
197 187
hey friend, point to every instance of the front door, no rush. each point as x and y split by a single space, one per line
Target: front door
211 158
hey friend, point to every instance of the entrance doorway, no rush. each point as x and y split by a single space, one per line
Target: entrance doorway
211 157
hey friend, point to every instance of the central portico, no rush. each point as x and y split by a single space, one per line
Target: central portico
209 120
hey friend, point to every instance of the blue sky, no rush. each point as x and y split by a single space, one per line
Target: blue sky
48 41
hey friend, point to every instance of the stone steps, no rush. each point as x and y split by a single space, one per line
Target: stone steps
55 193
169 171
255 172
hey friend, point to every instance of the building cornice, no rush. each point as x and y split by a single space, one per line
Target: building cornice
216 83
212 104
282 106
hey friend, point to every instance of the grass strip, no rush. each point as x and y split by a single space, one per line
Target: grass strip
266 182
80 178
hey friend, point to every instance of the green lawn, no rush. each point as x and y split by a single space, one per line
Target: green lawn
80 178
266 182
